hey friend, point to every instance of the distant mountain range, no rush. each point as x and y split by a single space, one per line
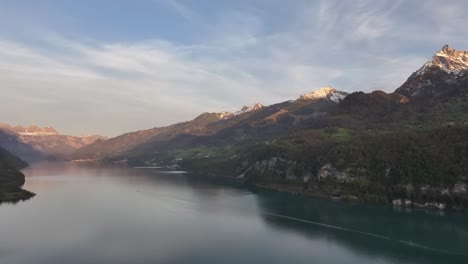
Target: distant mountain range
442 79
35 143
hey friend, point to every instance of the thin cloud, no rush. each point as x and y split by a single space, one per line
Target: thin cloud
125 85
183 10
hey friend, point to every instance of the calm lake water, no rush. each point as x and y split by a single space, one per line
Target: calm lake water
114 215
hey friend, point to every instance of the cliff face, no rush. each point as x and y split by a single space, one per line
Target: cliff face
348 184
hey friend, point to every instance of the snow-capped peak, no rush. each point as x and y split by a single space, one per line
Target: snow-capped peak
32 130
325 92
447 59
227 115
224 115
247 109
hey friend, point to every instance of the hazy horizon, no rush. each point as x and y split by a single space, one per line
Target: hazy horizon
111 67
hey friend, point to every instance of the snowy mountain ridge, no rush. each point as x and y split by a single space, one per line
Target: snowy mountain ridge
325 92
447 59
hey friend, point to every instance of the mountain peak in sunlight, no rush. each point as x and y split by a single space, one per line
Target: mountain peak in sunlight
325 92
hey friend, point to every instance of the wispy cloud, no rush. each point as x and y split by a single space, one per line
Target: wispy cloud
182 10
124 85
132 81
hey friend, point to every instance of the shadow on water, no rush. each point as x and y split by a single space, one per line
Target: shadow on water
374 230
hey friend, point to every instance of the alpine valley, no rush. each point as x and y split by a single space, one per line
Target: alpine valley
408 147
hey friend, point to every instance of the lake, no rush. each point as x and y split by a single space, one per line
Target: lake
91 214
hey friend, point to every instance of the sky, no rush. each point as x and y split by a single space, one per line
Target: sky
114 66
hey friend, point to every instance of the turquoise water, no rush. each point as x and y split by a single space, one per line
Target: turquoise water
114 215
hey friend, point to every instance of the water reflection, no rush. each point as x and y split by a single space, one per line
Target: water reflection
377 231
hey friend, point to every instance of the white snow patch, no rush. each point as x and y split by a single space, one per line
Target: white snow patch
337 97
448 60
247 109
224 115
326 92
37 133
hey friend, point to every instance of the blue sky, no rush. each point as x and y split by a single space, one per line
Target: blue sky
113 66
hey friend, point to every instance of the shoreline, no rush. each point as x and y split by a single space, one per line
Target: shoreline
8 195
298 191
11 183
318 191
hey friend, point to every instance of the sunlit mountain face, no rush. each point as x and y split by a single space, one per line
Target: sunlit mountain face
445 75
34 143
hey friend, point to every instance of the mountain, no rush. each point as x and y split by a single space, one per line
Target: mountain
443 77
251 123
14 144
247 109
375 107
407 147
8 159
121 144
35 143
324 93
11 179
436 92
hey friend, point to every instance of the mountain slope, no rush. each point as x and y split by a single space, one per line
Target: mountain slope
250 124
324 93
123 143
11 179
116 145
8 159
15 145
375 107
